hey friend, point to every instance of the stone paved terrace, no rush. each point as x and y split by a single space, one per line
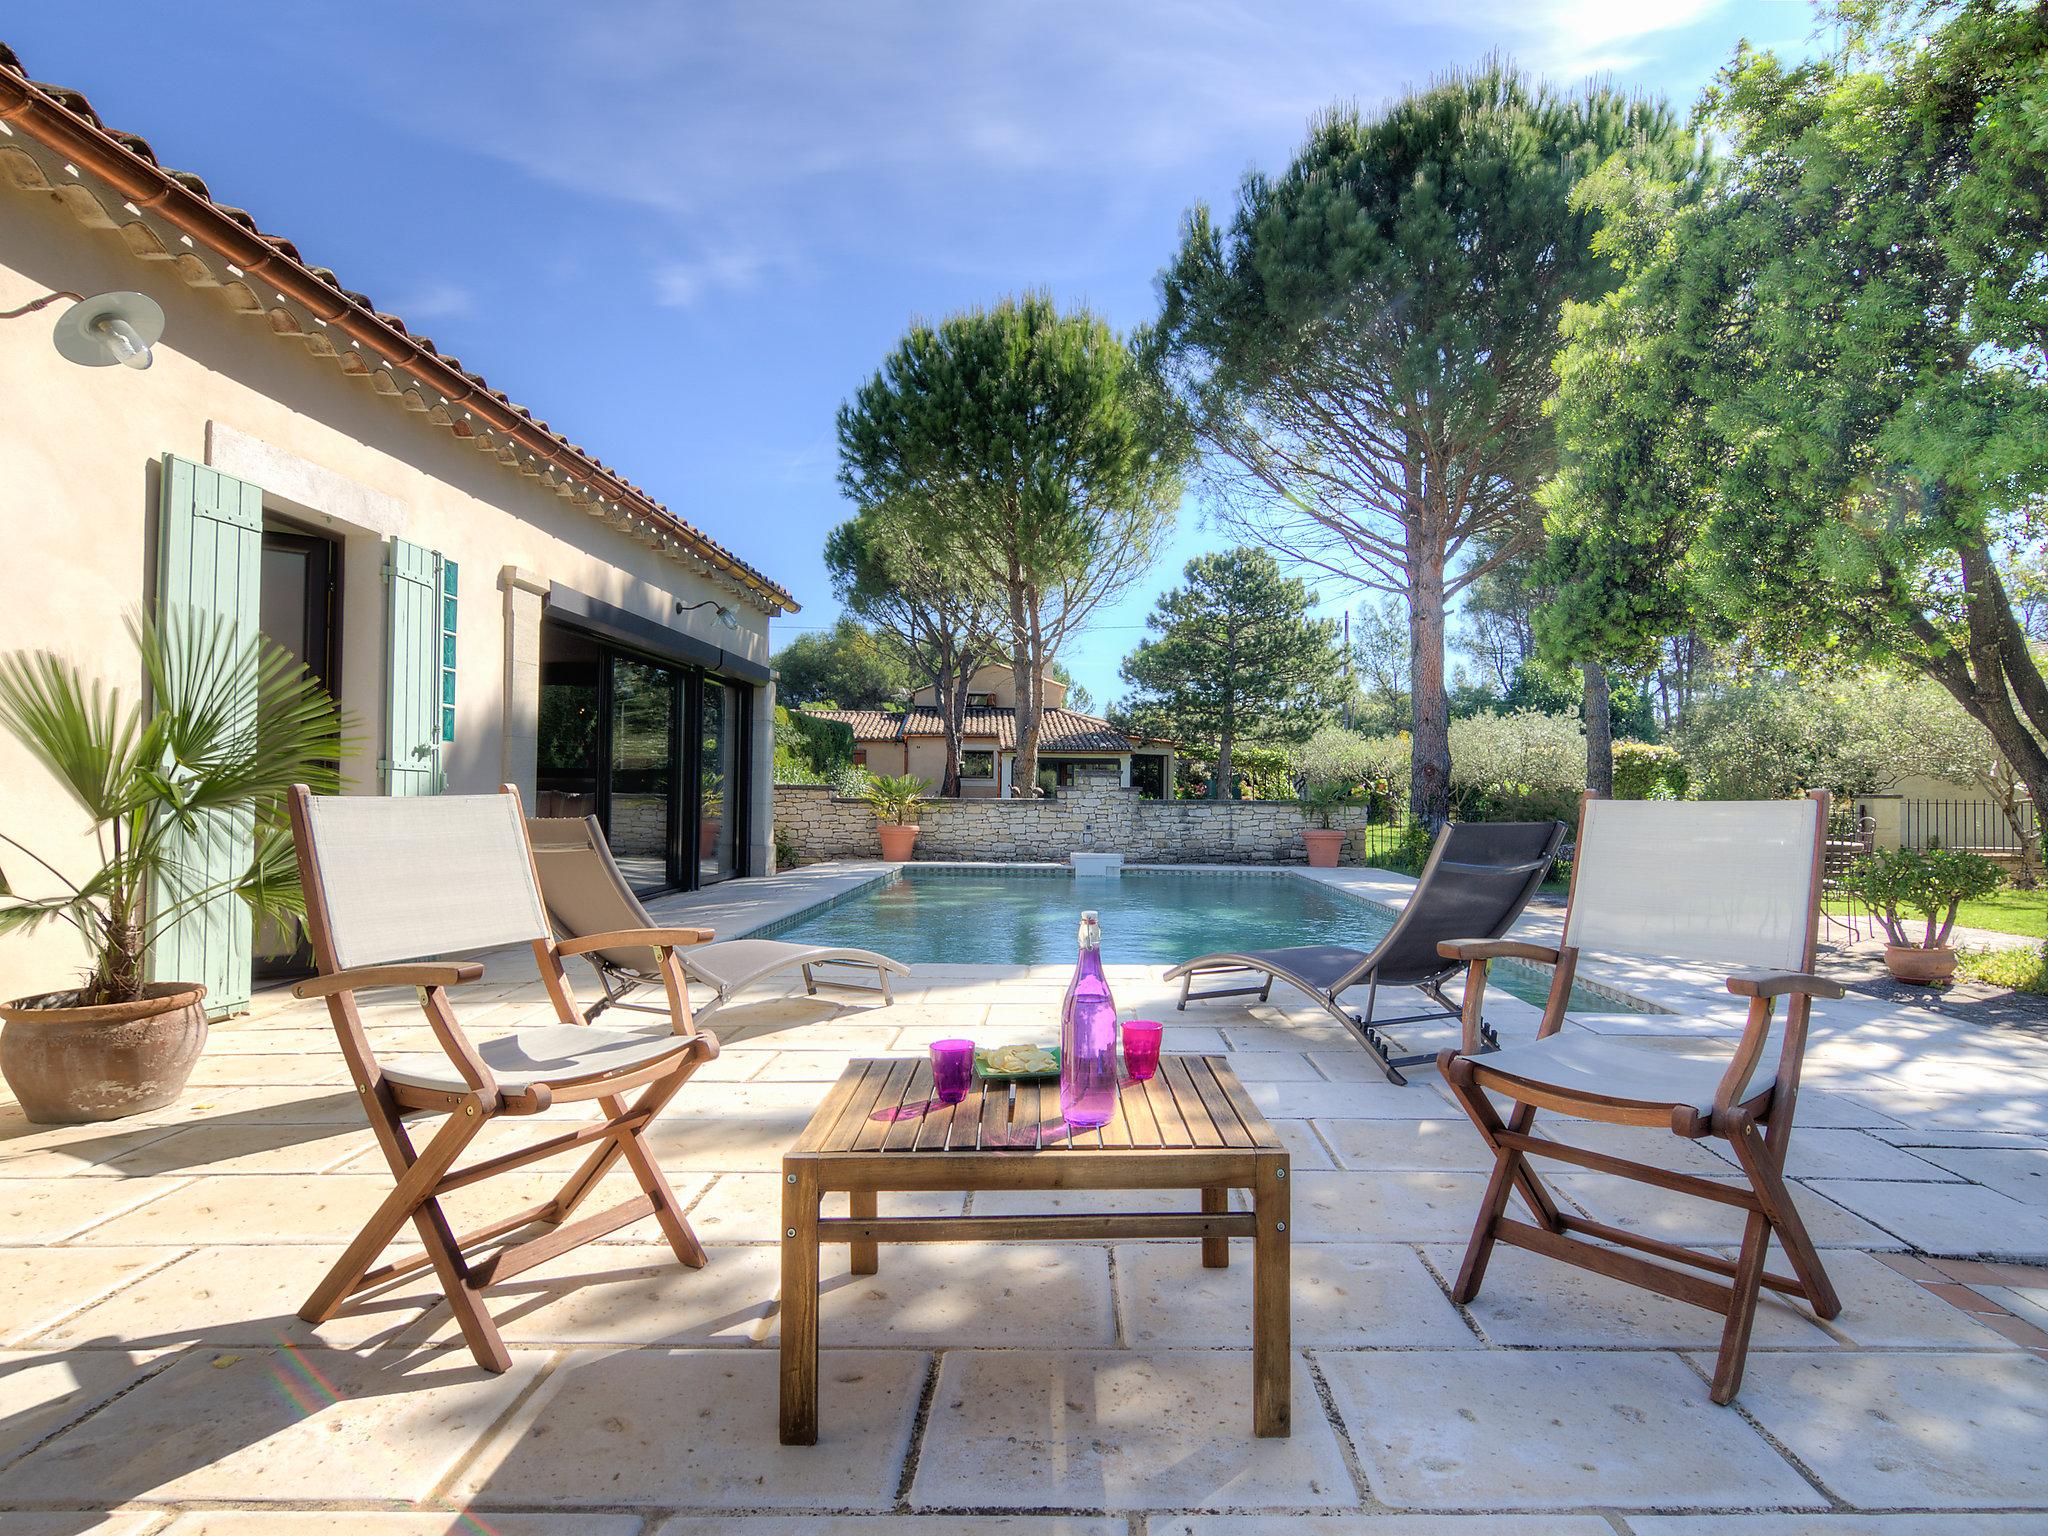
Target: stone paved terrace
153 1368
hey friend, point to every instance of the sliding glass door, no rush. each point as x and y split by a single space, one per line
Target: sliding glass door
656 752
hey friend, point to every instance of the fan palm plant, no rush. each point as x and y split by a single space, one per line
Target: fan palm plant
236 720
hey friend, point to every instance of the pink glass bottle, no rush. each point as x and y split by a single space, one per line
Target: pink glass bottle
1088 1037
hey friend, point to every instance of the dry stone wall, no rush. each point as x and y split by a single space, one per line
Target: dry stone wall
1097 816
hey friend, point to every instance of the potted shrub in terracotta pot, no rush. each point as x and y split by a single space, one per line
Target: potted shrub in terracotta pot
1320 801
1930 882
237 721
894 802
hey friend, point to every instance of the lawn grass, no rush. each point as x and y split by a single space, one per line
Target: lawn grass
2008 911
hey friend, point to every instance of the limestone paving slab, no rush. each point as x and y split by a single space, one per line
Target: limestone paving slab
1900 1431
747 1207
892 1525
1638 1207
1955 1219
1825 1153
1551 1430
1532 1302
1375 1525
1103 1429
39 1286
1344 1294
2019 1173
937 1295
696 1429
270 1426
1406 1146
41 1392
48 1210
1384 1207
1978 1523
366 1523
76 1523
243 1149
611 1295
1882 1309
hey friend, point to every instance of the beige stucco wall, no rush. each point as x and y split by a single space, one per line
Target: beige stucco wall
999 679
78 505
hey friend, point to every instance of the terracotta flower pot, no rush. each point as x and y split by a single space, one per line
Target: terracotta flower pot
1325 846
1923 967
897 843
68 1065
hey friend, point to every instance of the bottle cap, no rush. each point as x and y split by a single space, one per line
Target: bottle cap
1090 917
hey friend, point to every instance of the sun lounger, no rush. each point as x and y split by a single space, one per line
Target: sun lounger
1479 877
587 894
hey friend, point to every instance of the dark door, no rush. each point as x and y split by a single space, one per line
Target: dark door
297 607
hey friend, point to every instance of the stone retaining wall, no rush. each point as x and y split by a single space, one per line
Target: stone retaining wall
1096 816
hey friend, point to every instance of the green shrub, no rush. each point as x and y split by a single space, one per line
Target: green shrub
1525 766
1644 771
1932 882
1321 799
1403 849
894 799
2017 970
809 750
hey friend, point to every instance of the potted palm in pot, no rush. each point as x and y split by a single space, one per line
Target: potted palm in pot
237 720
1930 882
1320 800
894 801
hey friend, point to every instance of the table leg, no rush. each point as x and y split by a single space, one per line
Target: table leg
860 1204
1272 1320
799 1304
1215 1250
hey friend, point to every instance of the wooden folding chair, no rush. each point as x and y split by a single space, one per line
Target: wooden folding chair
1735 885
393 886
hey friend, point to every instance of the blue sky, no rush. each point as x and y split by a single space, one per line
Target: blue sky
683 232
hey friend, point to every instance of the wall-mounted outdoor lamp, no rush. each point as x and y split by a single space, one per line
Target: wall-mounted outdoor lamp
105 329
724 615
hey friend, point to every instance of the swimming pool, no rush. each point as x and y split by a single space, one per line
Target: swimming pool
932 915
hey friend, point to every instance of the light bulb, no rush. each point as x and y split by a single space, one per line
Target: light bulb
123 341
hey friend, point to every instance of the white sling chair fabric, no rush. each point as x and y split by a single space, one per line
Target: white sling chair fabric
405 878
1726 883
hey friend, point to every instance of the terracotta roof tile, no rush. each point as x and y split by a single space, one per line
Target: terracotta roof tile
665 527
1060 730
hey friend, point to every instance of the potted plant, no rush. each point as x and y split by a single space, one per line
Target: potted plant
1320 800
894 801
237 721
1933 882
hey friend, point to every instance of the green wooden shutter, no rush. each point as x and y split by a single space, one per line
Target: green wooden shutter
209 565
448 574
412 656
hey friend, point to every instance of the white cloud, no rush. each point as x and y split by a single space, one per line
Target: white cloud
436 300
682 282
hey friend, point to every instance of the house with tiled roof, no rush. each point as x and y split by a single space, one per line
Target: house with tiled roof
912 739
488 601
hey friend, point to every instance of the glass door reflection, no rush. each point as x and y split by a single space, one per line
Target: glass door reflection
643 771
718 782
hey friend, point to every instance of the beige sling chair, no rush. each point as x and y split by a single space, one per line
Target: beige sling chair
586 892
1731 885
393 885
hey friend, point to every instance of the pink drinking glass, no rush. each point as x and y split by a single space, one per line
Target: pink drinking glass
1141 1048
952 1069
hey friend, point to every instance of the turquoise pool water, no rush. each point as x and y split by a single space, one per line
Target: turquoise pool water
1149 917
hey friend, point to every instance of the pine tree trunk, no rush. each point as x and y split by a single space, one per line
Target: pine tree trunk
1429 763
1599 731
1022 664
952 697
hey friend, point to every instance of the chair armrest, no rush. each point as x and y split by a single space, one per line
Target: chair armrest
635 938
1781 983
363 977
1469 950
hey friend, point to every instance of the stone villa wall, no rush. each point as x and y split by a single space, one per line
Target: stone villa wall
1098 816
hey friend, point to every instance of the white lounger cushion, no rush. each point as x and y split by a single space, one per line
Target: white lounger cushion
1582 1063
543 1053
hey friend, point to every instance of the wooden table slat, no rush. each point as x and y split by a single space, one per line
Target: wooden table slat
901 1134
1173 1128
1203 1075
843 1108
1202 1130
995 1116
868 1138
1134 1106
1248 1113
935 1127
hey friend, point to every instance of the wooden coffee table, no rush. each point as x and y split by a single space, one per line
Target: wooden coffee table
880 1129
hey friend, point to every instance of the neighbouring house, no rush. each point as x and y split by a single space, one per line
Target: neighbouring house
912 739
487 600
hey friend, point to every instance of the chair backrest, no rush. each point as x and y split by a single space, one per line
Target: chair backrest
1479 877
583 887
1733 883
408 877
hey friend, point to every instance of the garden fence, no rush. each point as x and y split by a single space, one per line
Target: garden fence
1976 825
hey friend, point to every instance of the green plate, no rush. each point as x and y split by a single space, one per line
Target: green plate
982 1071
